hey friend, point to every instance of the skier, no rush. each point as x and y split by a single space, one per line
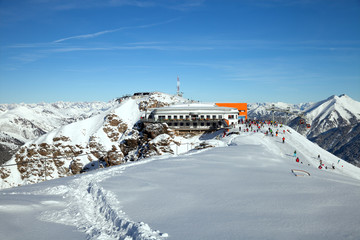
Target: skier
295 153
319 156
297 159
332 165
283 139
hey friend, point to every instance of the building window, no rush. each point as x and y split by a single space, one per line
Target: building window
188 124
220 116
169 124
181 117
208 124
207 116
175 124
169 117
202 124
175 117
214 116
187 117
161 117
231 116
181 124
202 116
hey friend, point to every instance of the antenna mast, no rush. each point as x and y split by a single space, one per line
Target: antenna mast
178 87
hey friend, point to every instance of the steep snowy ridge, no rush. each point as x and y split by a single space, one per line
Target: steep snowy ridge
335 107
335 126
109 138
335 123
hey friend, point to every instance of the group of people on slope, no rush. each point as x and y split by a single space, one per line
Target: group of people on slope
320 162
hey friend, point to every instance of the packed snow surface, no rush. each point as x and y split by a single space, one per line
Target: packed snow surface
243 189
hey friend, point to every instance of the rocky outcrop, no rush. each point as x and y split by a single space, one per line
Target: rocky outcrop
114 127
16 127
153 102
8 147
344 142
112 142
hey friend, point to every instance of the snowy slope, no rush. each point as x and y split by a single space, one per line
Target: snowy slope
81 145
335 126
243 190
21 120
335 123
20 123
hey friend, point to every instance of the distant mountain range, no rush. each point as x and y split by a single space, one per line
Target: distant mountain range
20 123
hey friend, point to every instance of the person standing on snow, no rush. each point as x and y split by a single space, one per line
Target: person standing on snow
283 139
295 153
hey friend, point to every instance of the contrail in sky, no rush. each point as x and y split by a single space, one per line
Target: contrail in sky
92 35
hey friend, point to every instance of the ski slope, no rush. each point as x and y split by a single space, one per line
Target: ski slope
242 190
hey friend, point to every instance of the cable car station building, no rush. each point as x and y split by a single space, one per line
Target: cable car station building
199 117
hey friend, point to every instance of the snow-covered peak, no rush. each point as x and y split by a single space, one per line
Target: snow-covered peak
335 106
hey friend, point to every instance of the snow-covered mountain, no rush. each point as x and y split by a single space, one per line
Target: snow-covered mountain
111 137
334 123
336 126
249 187
114 135
20 123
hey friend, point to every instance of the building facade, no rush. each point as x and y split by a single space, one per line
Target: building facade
194 116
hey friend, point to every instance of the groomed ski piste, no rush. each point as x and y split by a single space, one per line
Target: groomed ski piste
242 189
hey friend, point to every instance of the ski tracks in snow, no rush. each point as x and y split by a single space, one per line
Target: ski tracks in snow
96 211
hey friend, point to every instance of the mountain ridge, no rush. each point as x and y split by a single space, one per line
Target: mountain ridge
113 135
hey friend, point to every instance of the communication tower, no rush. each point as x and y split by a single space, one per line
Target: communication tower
178 88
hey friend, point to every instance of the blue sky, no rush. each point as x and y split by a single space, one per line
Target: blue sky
224 51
